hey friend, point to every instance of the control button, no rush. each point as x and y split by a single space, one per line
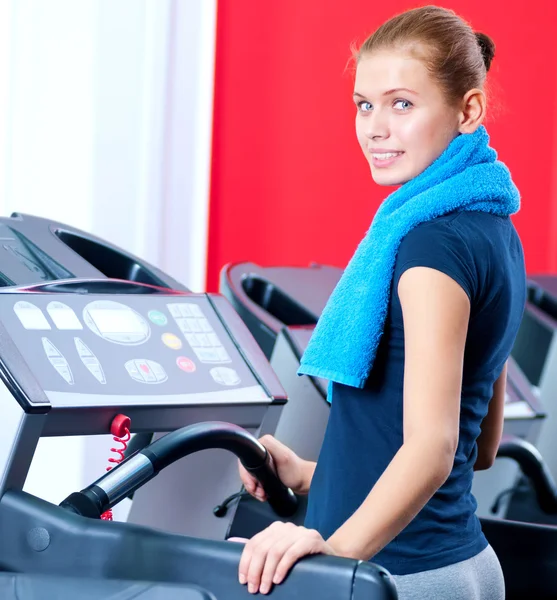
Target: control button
204 325
31 316
183 325
82 349
194 325
96 370
50 348
58 361
214 339
192 340
172 341
185 310
174 310
158 371
158 317
145 370
223 355
132 369
90 361
186 364
63 316
225 376
196 311
207 355
203 339
66 373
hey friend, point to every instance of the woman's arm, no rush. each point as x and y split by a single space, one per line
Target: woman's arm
492 426
436 312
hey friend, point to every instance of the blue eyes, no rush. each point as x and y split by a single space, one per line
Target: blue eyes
406 104
400 105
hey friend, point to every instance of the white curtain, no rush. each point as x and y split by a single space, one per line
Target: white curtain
105 124
108 107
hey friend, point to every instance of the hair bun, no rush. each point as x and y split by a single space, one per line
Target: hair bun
487 47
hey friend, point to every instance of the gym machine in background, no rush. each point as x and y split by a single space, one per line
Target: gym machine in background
281 306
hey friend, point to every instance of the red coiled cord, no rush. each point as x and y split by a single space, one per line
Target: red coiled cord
120 429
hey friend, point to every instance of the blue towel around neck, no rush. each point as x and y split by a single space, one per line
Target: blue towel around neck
466 177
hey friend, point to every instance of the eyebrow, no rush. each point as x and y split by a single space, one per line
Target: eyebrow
389 92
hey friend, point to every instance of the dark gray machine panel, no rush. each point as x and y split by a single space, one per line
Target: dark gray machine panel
270 298
99 350
35 250
298 337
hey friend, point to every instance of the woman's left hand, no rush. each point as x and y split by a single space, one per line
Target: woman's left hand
269 555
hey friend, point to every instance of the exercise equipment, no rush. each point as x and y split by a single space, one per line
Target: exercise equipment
76 353
535 351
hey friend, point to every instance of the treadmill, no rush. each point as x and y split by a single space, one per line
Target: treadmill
75 354
272 302
535 351
281 306
37 250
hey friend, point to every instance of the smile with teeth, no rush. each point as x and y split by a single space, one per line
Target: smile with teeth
385 155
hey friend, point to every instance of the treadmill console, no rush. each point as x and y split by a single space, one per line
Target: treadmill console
116 350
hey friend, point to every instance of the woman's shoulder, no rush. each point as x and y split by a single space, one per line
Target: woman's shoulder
465 218
467 227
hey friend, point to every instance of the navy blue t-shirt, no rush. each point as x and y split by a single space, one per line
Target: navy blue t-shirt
483 254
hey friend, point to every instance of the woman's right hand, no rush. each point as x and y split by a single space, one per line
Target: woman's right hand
291 469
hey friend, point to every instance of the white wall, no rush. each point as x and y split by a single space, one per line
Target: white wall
108 112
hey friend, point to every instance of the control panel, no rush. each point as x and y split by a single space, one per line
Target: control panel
94 349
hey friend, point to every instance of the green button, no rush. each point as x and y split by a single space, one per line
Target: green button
157 317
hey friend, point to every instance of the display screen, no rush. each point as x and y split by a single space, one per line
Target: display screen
116 321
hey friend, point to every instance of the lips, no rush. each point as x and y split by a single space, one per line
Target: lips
385 154
384 158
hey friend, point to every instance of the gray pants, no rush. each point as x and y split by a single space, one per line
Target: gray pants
478 578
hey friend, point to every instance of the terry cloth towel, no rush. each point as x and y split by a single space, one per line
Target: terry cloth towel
466 177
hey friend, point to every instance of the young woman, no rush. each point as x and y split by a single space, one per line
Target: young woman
416 336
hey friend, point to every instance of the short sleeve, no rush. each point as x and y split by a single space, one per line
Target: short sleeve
439 245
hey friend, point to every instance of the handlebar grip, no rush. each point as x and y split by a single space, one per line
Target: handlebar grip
281 498
534 467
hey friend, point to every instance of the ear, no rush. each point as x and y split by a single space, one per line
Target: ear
473 110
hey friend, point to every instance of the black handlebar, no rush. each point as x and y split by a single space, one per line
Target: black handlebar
533 466
136 470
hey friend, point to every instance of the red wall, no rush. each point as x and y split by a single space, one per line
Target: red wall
289 185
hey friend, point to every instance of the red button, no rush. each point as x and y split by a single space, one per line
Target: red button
186 364
144 368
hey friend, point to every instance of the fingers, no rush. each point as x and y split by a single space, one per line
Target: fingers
251 484
266 555
269 556
247 554
274 447
281 553
301 547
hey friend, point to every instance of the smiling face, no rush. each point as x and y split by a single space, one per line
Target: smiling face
404 120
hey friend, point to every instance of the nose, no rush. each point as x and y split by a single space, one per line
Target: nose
377 125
